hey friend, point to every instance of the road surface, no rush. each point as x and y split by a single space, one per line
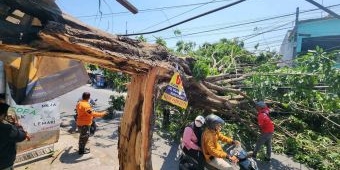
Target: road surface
104 153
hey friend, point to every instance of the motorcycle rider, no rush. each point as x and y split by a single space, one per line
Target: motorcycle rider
212 149
191 142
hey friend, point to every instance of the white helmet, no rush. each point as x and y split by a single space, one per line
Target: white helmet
199 121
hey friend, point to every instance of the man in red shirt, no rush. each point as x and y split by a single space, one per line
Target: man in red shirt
267 129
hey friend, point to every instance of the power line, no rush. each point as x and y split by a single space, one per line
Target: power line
266 43
269 38
154 9
257 34
247 23
187 20
224 24
237 37
228 23
229 32
174 17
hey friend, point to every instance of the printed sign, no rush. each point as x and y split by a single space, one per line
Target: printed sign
174 92
41 121
48 78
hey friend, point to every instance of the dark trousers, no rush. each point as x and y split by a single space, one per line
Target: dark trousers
83 137
197 155
264 139
9 168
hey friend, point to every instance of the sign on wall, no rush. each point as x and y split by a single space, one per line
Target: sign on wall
174 92
41 121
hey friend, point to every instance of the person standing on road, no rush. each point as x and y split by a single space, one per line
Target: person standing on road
191 142
267 129
85 115
11 133
212 149
93 126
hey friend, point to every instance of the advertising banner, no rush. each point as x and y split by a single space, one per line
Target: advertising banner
41 121
38 79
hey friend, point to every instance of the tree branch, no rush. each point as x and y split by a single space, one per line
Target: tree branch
318 113
242 77
219 77
212 95
224 89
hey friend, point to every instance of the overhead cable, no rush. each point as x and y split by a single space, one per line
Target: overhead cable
173 17
154 9
247 23
187 20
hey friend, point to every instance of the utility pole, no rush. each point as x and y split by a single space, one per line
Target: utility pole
296 32
128 6
126 28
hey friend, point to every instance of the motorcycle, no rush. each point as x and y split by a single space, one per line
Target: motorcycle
245 162
187 162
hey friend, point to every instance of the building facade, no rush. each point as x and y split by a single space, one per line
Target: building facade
322 32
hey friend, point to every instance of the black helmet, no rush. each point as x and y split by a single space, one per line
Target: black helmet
212 120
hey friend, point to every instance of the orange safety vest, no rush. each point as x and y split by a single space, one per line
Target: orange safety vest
85 113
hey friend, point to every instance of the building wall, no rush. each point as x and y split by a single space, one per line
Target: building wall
317 28
286 49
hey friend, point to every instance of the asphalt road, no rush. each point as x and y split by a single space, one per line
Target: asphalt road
105 141
104 153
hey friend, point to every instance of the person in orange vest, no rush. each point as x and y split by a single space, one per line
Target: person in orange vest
85 114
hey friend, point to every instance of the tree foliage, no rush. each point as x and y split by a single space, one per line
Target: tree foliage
304 97
116 80
307 98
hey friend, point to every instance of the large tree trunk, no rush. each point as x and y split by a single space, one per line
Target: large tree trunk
64 36
135 128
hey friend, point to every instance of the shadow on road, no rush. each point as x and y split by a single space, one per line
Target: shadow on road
70 157
115 135
170 161
274 164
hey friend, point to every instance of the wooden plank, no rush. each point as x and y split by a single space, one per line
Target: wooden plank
23 76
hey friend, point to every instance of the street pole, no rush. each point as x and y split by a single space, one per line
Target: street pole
296 32
126 28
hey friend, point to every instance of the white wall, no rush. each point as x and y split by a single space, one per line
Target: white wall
286 50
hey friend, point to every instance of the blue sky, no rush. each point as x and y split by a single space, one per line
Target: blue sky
269 34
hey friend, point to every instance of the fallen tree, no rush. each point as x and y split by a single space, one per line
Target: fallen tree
218 82
49 32
63 36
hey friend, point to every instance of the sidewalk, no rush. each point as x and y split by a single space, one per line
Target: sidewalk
103 153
